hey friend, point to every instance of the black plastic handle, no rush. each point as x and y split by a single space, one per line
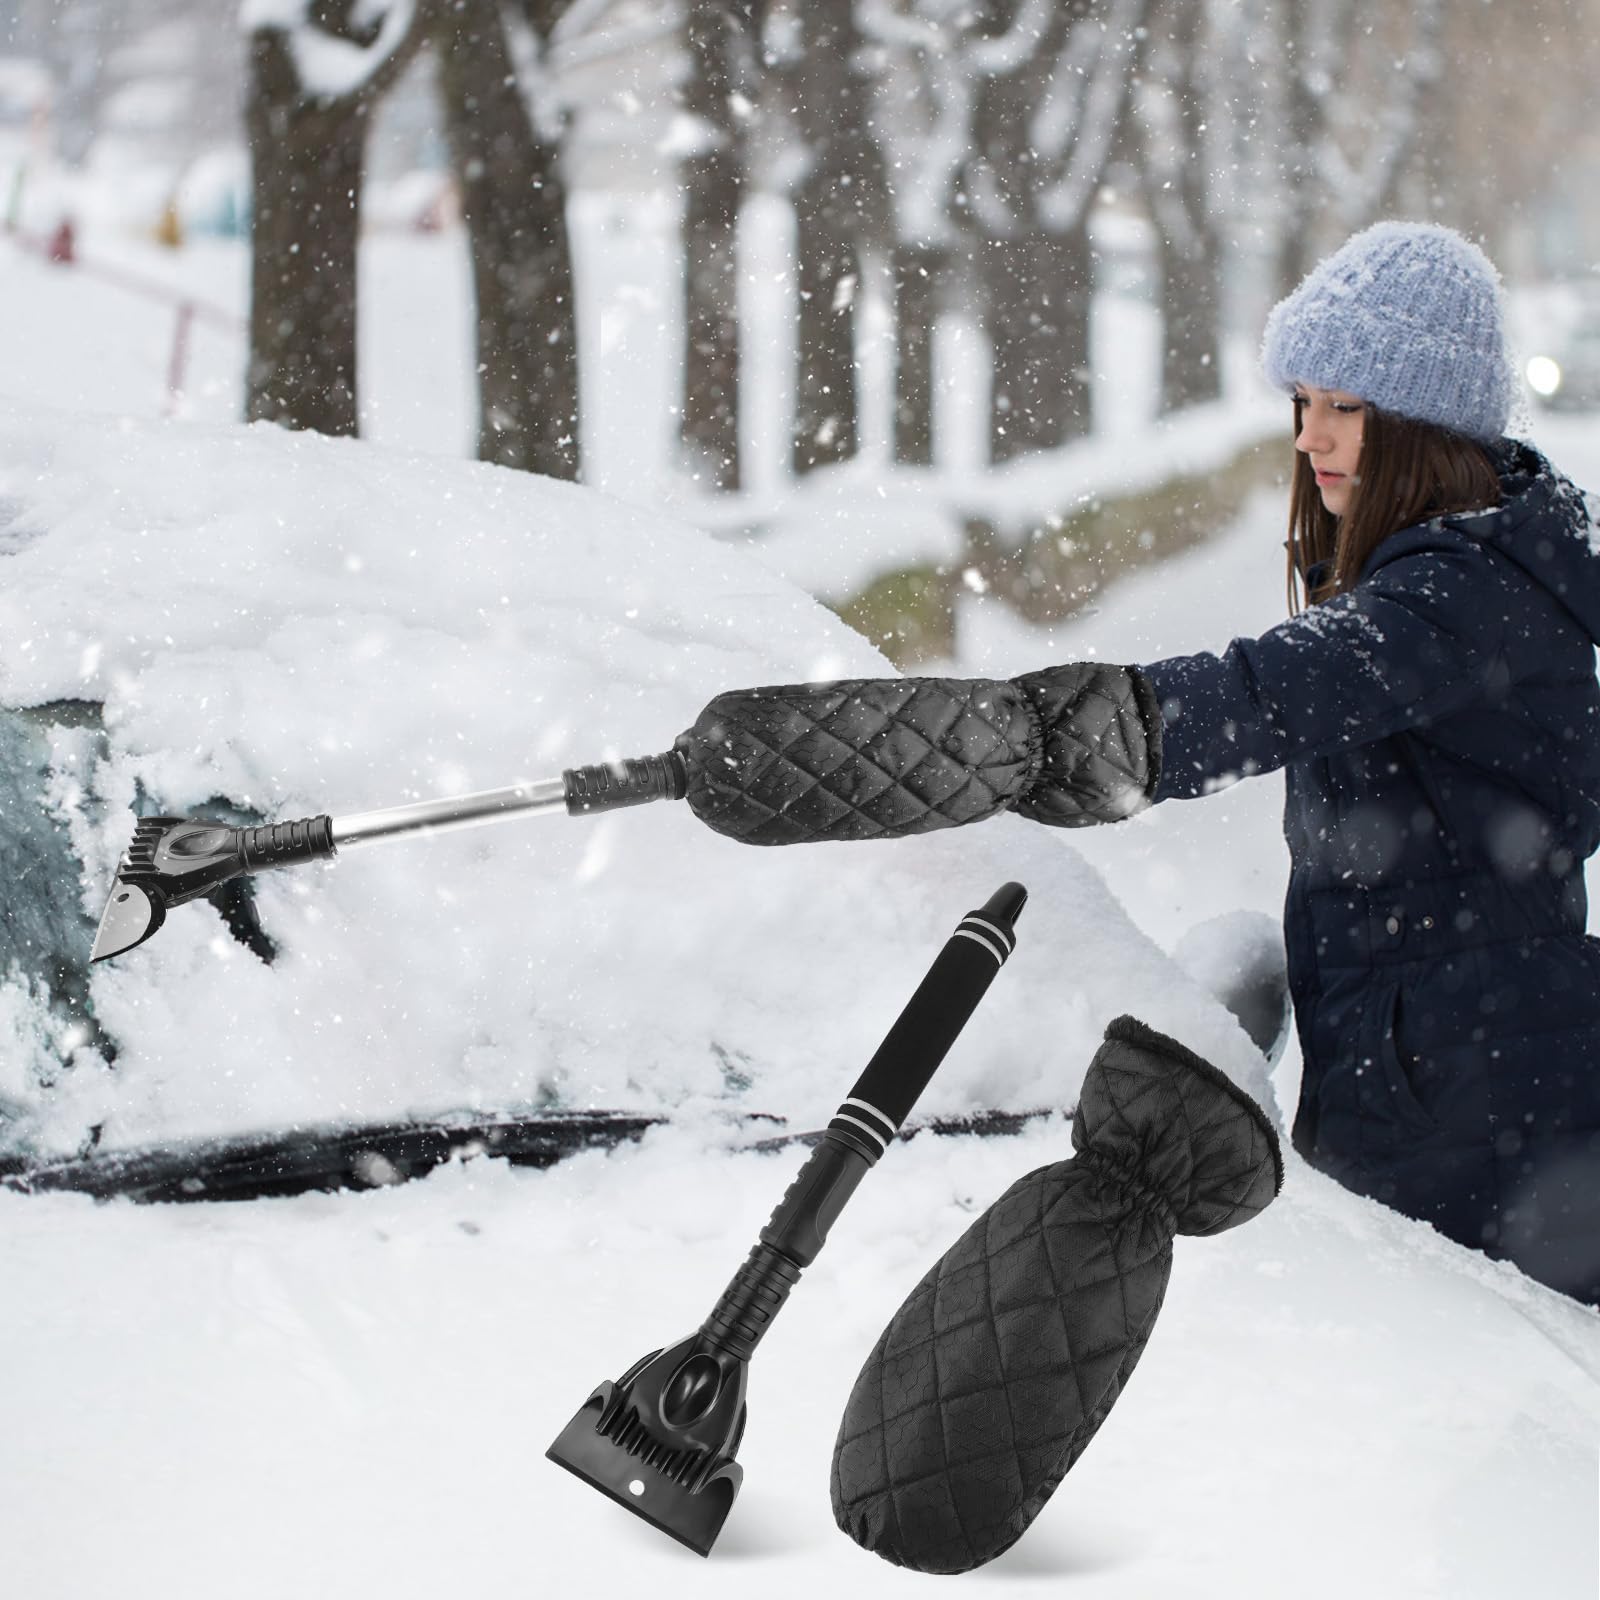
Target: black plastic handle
286 844
609 786
184 858
921 1038
871 1114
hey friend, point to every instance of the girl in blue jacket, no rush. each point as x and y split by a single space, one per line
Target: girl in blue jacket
1436 711
1434 706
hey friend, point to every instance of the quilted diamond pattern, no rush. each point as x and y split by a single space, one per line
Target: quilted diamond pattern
995 1374
859 759
881 758
1102 754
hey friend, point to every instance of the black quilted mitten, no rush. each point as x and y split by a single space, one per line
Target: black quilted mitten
879 758
994 1375
1102 747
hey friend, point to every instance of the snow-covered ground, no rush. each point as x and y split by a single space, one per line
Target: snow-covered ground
353 1393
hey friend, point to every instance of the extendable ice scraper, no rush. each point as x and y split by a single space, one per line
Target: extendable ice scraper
789 764
661 1440
173 859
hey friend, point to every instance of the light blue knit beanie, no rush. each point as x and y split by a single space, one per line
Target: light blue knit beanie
1407 316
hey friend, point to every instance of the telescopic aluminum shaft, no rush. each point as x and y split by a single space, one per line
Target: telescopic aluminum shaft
460 811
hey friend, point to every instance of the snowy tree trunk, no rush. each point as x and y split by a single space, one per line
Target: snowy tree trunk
918 272
1191 344
709 427
306 167
1178 180
1362 82
713 185
513 202
839 205
306 154
1299 178
828 272
73 43
922 92
1039 290
1055 83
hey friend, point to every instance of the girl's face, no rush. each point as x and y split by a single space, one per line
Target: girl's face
1328 433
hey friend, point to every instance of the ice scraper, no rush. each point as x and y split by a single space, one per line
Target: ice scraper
849 760
661 1440
173 859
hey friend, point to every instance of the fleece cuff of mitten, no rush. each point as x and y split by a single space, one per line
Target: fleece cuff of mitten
1168 1118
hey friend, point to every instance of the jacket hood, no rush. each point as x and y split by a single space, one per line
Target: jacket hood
1545 525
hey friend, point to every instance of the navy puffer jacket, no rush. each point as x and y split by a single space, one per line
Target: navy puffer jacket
1439 726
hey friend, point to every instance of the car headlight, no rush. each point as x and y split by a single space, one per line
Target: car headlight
1544 375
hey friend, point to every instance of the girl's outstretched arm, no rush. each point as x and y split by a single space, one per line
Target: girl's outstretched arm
1091 742
1419 638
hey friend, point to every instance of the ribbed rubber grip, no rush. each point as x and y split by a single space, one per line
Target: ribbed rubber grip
748 1305
611 785
282 844
810 1206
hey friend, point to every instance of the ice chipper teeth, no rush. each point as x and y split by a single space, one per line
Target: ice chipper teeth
139 860
136 907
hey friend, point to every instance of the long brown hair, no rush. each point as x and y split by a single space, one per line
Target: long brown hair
1408 471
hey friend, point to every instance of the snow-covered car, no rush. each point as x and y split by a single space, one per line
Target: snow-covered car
463 629
1567 376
